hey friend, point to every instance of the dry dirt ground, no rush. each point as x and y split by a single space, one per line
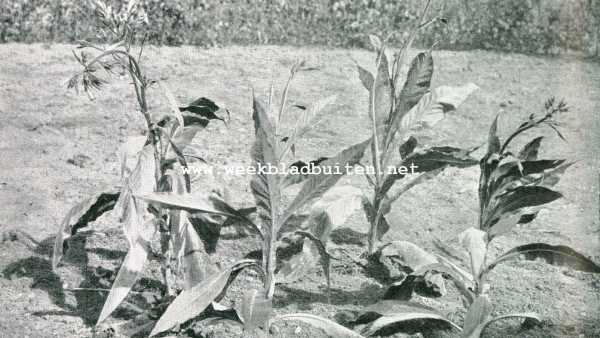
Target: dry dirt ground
58 147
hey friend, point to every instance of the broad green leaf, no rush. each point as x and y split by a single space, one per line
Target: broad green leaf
265 187
518 198
558 255
132 266
418 81
519 172
434 105
131 210
256 310
477 314
366 78
330 327
308 120
79 216
339 203
190 303
408 255
318 184
437 157
527 315
202 108
461 279
194 202
429 160
391 312
196 260
475 242
510 220
380 105
531 149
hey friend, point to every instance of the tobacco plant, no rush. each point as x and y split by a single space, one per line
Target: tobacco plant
151 163
513 187
400 103
274 225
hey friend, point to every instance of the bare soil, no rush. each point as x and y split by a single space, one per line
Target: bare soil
58 148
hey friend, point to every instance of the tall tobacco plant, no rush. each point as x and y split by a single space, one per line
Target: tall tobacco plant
513 187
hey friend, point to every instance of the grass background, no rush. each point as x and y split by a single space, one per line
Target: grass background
526 26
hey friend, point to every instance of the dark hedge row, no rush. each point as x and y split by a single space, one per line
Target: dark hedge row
528 26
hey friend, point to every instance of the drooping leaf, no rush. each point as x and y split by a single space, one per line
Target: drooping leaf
434 105
437 157
461 279
194 202
478 331
196 261
256 310
202 107
559 255
389 313
429 160
409 257
80 216
318 184
477 314
131 267
475 242
531 149
518 198
517 171
190 303
330 327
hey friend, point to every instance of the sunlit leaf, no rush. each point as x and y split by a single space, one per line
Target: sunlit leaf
387 313
131 267
475 242
478 331
318 184
558 255
331 328
531 149
434 105
190 303
477 314
418 81
256 310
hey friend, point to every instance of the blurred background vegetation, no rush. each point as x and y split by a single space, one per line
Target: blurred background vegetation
525 26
